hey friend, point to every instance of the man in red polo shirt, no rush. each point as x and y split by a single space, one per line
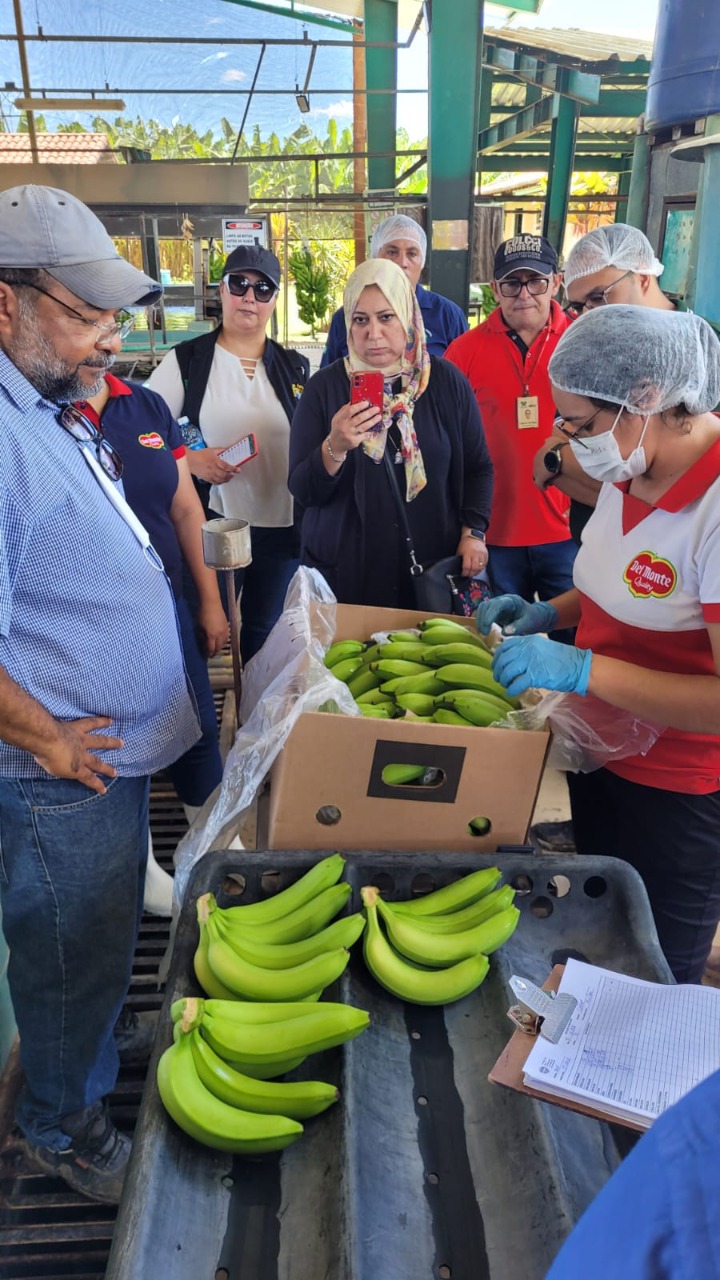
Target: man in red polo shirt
505 359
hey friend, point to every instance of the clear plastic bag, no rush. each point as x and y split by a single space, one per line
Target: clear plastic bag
287 677
587 732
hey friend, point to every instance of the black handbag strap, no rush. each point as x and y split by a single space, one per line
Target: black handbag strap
416 569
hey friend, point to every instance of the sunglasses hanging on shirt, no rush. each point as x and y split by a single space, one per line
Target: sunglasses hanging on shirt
238 286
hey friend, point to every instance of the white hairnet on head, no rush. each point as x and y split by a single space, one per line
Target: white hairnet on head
615 246
398 227
641 357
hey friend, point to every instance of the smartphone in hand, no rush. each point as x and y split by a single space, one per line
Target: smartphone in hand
368 385
242 451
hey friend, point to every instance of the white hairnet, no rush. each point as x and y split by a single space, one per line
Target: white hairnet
398 227
642 357
615 246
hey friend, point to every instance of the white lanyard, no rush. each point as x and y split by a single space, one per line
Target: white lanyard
124 510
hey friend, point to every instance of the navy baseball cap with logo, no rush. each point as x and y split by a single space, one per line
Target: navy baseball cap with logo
252 257
525 252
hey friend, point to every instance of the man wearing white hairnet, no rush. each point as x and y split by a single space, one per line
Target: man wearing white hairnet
635 388
402 240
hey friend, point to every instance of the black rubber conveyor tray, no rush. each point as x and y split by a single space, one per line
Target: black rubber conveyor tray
423 1169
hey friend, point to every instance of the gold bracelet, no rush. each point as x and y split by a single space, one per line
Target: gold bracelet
334 455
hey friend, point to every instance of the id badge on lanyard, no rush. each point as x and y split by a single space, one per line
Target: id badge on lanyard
528 412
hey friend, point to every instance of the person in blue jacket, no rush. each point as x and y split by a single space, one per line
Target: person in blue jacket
402 240
658 1218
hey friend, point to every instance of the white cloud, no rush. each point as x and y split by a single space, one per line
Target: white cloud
231 74
342 110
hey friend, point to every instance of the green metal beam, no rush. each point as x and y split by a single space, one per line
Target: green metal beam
520 125
623 189
454 99
520 6
639 192
381 74
560 169
617 102
551 76
337 24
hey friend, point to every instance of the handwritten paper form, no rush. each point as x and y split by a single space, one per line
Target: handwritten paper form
631 1048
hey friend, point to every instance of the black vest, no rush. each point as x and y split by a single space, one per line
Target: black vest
286 369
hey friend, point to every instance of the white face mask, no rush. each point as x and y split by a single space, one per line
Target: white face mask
600 456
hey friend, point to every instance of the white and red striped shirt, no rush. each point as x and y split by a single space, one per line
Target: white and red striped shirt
649 582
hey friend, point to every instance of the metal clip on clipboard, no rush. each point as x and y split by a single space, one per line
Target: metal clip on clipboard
543 1012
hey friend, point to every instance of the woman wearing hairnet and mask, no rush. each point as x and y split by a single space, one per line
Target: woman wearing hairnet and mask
635 388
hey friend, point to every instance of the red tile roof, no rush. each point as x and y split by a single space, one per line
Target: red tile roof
60 148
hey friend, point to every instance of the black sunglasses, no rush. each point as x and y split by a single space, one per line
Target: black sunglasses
85 432
239 285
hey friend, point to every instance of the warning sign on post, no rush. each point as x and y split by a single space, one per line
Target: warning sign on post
241 232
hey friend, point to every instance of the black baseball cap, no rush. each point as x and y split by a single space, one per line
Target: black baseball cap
525 253
252 257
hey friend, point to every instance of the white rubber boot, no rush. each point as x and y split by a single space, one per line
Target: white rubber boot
158 896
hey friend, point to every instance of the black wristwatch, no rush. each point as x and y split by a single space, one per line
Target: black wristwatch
552 461
477 533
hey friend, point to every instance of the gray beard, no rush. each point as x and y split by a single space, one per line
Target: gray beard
37 360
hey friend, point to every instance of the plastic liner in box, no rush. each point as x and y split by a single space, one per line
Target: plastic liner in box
423 1169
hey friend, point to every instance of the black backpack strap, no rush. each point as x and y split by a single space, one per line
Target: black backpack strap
195 359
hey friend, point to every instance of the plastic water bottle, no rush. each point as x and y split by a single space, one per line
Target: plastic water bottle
192 435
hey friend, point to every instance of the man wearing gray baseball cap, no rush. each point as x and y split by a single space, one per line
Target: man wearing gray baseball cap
93 691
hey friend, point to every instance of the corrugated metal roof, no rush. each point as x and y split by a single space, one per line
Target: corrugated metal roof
65 148
573 44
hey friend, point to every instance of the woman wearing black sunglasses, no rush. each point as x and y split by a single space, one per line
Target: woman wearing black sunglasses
229 383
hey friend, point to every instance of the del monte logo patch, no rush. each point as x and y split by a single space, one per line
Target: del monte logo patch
650 575
151 440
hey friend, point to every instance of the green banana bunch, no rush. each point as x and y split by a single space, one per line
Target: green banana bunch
409 936
405 980
323 875
452 897
286 955
432 627
255 982
474 708
421 704
305 921
378 711
297 1100
461 675
444 715
245 1011
451 697
363 682
467 918
402 775
211 985
440 655
343 649
391 667
214 1123
272 1043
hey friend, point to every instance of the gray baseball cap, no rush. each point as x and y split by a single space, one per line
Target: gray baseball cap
48 228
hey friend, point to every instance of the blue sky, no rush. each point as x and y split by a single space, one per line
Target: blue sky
207 68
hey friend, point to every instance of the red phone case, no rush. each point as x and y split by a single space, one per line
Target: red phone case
367 386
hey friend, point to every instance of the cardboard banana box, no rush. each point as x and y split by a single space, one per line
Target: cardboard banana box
327 790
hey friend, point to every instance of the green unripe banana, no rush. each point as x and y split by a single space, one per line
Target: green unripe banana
461 675
410 637
299 1100
254 982
204 974
451 697
341 650
323 875
440 655
427 683
257 1011
285 955
276 1042
479 826
476 709
418 986
467 918
452 897
411 651
444 715
346 669
209 1120
422 946
377 711
363 682
307 920
388 668
457 631
421 704
375 698
400 775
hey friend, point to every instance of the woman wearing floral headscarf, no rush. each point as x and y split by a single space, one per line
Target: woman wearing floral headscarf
430 422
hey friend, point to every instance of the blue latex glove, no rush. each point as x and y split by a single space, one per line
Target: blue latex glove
534 662
516 616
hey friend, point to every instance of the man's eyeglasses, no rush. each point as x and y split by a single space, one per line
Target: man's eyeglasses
238 286
110 329
85 432
598 297
512 287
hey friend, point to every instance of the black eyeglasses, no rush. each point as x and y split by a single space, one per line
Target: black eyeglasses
238 286
512 288
85 432
121 328
598 298
559 425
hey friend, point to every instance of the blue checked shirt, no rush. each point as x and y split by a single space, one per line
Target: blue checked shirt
87 620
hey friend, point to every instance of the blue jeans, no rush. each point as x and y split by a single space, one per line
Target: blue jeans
264 584
545 570
72 870
196 774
